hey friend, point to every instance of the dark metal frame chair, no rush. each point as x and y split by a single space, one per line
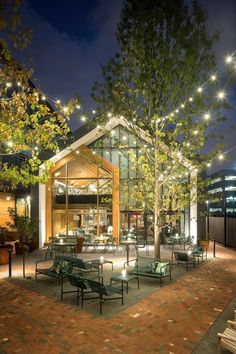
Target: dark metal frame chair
105 292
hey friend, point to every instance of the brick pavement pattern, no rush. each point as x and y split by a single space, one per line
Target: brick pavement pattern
172 320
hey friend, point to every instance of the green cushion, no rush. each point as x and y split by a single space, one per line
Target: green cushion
160 268
61 267
197 250
151 268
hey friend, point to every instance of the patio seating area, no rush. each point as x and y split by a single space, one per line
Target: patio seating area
211 282
107 267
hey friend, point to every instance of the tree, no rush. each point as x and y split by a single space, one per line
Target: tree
163 81
28 123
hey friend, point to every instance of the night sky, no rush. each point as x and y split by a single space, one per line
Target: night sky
73 38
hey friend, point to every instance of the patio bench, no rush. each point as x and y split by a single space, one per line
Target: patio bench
62 266
151 268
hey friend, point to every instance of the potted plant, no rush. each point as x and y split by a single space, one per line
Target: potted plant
4 255
26 228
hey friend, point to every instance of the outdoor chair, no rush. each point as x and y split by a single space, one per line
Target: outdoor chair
112 244
81 285
227 339
199 252
104 292
183 257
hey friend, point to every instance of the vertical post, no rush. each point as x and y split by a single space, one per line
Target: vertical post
9 263
224 206
214 248
208 221
23 263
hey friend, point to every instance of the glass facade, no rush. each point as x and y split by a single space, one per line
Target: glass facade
119 147
82 190
81 197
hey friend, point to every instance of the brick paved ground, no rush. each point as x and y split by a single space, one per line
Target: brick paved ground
172 320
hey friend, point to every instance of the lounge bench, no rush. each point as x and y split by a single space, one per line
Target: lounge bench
62 266
151 268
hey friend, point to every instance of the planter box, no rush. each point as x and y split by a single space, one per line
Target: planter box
4 255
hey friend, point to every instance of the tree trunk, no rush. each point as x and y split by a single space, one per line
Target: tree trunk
157 243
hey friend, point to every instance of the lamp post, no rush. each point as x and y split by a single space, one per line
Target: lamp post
208 225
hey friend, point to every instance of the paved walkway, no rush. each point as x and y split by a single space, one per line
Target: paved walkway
172 320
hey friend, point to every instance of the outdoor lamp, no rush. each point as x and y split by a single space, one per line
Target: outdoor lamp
101 259
123 273
61 240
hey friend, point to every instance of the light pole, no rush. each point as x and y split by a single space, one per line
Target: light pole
208 225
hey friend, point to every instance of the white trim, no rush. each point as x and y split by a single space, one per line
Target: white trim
193 209
42 212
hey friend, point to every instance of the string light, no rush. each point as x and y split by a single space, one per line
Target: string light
94 112
65 109
78 106
199 89
109 115
195 132
43 98
221 95
10 143
191 99
208 164
221 157
18 83
8 84
229 59
213 77
83 118
207 116
58 101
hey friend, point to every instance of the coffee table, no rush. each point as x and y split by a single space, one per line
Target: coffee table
99 263
124 279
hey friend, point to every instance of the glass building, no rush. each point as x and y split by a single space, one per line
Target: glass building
91 187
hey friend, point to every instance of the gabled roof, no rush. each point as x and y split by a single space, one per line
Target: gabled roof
86 135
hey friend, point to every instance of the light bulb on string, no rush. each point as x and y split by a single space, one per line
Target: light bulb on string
58 101
221 95
221 157
65 109
228 59
208 164
213 77
207 116
10 143
83 118
18 84
78 106
200 89
191 99
8 84
43 98
182 105
109 114
93 111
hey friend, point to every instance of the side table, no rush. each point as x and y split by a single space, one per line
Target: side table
124 279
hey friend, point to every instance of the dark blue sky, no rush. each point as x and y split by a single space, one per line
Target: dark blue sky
73 38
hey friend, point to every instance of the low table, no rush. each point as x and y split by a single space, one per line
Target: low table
124 279
100 263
